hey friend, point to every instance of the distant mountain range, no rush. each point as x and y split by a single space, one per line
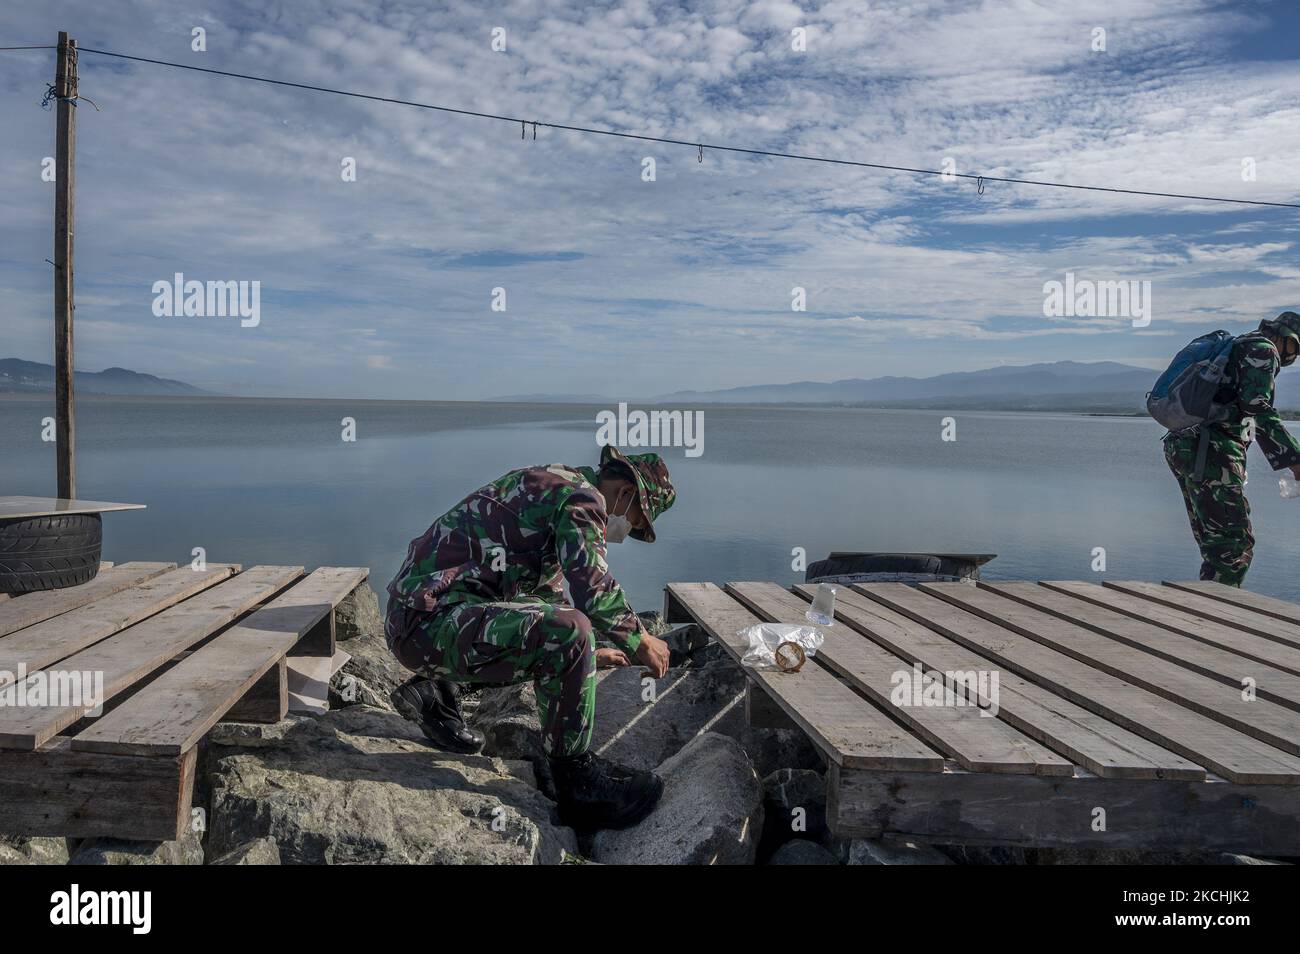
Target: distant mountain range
31 377
1100 387
550 399
1103 387
1062 383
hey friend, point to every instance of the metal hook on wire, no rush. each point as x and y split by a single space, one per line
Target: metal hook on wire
701 157
979 185
534 130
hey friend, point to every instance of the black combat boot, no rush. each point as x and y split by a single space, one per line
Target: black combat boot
434 705
596 793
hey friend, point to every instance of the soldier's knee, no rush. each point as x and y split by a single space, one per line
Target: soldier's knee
570 633
575 621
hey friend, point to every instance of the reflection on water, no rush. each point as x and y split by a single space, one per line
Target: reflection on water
256 481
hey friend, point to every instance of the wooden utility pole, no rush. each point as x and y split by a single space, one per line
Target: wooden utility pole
65 88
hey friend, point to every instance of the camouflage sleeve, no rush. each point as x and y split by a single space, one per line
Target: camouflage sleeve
1257 368
543 595
580 546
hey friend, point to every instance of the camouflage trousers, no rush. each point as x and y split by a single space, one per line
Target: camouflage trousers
1216 503
506 643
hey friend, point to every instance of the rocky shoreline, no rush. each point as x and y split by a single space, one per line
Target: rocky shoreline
360 784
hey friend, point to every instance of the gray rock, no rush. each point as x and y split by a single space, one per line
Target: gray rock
711 811
632 727
507 717
773 749
373 672
982 855
785 791
368 677
870 851
802 852
360 785
259 851
1105 856
33 851
1233 859
521 769
249 735
686 639
641 730
117 851
653 621
358 617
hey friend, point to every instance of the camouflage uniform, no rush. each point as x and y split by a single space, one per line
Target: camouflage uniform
480 597
1216 500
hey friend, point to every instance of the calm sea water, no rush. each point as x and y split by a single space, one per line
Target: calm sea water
268 481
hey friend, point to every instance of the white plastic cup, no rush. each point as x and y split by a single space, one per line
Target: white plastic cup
1289 486
822 611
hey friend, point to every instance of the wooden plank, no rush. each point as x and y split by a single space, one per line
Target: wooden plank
125 657
320 640
267 700
38 646
1194 627
1261 624
1090 740
964 732
58 792
998 603
969 808
1074 603
1255 602
173 712
847 728
28 609
1234 755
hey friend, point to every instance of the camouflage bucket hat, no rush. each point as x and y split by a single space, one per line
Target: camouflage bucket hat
654 486
1285 326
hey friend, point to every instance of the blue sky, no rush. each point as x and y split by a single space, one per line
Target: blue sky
382 287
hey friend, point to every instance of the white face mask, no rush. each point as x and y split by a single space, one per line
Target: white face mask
617 526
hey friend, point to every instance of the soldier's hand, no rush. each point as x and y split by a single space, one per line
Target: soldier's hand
653 654
607 658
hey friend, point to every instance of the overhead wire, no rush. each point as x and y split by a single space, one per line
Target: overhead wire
980 178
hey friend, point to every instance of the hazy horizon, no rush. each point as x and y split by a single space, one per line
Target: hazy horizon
553 396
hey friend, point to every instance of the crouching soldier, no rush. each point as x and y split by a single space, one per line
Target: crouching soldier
1209 461
480 601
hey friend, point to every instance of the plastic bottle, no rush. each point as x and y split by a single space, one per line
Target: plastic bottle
822 611
1289 486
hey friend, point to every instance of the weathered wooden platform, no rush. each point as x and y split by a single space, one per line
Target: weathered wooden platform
175 651
1125 715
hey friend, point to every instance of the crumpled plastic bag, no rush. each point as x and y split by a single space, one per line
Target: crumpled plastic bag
763 639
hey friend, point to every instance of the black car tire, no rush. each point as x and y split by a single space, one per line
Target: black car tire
49 553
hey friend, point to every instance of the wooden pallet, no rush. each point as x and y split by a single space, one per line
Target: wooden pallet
175 651
1129 715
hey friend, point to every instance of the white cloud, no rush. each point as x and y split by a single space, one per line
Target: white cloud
684 282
